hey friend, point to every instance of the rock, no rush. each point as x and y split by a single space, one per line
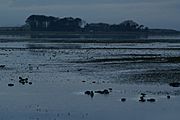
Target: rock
30 83
105 92
100 92
94 82
142 99
92 94
168 97
23 81
151 100
26 81
83 81
10 85
143 94
87 92
2 66
110 89
123 99
79 69
175 84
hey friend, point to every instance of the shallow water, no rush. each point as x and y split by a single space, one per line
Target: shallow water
57 70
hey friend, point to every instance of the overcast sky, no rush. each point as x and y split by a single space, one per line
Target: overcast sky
152 13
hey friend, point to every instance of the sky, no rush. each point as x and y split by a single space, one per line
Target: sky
151 13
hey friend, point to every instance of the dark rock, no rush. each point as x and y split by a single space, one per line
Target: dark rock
105 92
10 85
30 83
168 97
2 66
23 81
151 100
123 99
175 84
83 81
141 97
110 89
143 94
87 92
92 94
100 92
142 100
94 82
79 69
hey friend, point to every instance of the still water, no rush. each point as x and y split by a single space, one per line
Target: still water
61 72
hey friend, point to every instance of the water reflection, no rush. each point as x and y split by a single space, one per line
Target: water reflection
93 36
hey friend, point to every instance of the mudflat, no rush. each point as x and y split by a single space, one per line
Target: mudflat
89 79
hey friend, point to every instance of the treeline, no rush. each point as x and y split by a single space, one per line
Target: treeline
69 24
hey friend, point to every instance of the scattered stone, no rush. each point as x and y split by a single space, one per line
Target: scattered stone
123 99
87 92
142 99
10 85
83 81
151 100
94 82
100 92
105 92
168 97
110 89
143 94
92 94
30 83
23 80
175 84
2 66
79 69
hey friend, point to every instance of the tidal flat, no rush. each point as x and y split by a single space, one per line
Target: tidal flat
89 79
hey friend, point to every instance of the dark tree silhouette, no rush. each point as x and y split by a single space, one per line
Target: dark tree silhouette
97 27
69 24
45 23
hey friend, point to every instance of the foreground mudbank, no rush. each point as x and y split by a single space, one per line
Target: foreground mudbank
91 81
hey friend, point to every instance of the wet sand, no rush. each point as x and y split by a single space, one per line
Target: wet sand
59 73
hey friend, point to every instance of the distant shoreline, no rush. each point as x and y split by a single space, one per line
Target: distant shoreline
150 32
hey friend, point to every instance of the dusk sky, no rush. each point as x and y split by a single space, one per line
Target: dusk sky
152 13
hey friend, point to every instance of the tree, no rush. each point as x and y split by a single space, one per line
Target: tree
49 23
70 24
